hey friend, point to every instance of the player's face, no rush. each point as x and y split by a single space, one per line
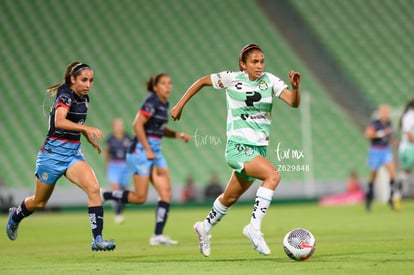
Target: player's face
118 126
163 87
83 82
254 64
384 112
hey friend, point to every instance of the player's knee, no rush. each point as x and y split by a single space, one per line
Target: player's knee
138 198
274 179
93 190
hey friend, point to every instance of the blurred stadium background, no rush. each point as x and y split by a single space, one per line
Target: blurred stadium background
353 55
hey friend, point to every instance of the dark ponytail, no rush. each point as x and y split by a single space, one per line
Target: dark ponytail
73 69
153 81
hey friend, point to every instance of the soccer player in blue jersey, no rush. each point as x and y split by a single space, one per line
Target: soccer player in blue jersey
146 161
117 146
61 153
249 95
379 132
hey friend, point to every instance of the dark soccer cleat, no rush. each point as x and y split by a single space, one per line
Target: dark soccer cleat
12 226
98 244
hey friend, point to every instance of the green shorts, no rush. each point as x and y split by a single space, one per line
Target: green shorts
407 159
237 154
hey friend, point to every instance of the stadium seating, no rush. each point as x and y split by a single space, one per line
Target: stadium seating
372 41
127 41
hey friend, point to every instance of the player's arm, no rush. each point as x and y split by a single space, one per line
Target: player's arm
192 90
91 133
139 130
371 132
410 136
292 97
173 134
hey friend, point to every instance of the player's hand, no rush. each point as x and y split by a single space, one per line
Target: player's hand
184 137
93 135
388 130
176 112
294 78
150 155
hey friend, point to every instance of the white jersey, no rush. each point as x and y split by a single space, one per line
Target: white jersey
249 105
407 125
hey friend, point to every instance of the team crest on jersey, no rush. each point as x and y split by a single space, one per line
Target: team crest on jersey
45 176
263 85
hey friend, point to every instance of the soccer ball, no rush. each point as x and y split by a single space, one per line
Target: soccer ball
299 244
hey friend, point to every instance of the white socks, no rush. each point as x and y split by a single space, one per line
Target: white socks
216 214
401 181
261 204
263 200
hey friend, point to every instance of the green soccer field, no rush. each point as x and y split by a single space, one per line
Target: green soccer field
349 241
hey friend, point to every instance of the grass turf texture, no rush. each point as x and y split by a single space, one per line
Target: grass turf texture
349 241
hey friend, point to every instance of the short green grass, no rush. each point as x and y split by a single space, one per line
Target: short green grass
349 241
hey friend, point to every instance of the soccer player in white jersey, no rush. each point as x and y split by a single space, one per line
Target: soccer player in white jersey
406 149
249 94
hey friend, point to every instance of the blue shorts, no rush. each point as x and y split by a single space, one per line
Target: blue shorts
118 173
138 162
377 157
51 166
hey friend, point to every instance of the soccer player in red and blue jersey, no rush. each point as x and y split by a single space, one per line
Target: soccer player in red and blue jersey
146 161
379 133
117 146
61 153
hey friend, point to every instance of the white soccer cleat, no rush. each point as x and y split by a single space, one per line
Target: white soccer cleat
257 240
203 237
162 240
119 219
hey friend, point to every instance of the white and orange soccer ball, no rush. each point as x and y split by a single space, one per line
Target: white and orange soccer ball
299 244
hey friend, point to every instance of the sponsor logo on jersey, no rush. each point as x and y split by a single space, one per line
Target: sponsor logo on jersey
247 116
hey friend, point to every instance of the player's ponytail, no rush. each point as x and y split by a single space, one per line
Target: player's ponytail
73 69
153 81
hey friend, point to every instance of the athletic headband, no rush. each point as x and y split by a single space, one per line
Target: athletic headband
247 48
156 78
78 68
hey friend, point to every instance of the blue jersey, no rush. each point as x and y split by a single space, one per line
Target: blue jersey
384 141
118 148
60 141
157 114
